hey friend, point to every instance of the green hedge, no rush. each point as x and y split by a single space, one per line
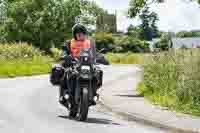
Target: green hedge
18 50
120 43
104 40
129 43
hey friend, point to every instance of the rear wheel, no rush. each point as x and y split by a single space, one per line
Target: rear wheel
83 106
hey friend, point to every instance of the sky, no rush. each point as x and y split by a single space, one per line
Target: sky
174 15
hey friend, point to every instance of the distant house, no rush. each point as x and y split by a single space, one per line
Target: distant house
187 42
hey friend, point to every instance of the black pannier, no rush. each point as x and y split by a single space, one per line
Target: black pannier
57 73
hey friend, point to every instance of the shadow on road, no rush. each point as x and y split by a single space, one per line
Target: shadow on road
131 96
101 121
95 121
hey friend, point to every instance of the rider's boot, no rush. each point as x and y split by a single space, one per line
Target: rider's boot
62 100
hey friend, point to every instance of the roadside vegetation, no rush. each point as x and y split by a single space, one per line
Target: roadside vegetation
172 79
44 25
22 59
126 58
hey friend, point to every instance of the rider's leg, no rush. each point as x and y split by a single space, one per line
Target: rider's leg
62 91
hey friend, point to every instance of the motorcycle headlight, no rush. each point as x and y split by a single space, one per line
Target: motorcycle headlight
86 59
85 68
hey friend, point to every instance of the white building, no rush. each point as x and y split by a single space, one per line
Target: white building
187 42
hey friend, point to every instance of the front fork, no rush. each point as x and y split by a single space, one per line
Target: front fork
79 90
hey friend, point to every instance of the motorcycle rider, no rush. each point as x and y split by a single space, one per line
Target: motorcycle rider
80 40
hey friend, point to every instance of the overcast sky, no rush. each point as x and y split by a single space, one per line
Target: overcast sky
175 15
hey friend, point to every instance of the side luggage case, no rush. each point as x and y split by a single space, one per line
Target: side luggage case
56 74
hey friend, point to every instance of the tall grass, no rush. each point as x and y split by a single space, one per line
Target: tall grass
25 67
22 59
125 58
18 50
172 79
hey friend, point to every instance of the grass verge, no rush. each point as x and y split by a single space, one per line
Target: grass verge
22 59
172 80
125 58
25 66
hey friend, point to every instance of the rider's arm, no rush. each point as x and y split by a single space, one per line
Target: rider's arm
67 59
66 50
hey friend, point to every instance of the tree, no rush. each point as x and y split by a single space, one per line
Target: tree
130 43
44 23
188 34
148 27
91 8
163 44
89 13
154 27
133 31
135 6
184 34
3 12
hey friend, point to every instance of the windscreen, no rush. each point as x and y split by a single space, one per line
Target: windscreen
85 52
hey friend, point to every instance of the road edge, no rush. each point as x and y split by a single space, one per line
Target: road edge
138 117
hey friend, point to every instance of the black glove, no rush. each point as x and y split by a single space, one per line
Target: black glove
67 61
66 49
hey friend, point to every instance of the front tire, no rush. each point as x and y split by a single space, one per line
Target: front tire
83 106
73 110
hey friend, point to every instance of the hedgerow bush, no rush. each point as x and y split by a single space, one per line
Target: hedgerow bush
104 40
22 59
55 52
18 50
120 43
127 43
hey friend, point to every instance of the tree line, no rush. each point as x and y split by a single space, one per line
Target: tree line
44 23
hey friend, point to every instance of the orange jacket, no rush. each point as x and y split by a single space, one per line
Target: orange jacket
75 46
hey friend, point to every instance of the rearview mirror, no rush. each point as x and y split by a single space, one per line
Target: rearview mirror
100 59
103 50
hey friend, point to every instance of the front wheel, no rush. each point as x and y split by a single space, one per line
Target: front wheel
83 106
73 110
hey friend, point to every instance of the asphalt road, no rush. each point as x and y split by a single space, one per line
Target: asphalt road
30 105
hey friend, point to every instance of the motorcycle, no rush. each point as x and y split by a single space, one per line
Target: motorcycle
82 79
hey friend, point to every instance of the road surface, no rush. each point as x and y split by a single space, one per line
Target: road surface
30 105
